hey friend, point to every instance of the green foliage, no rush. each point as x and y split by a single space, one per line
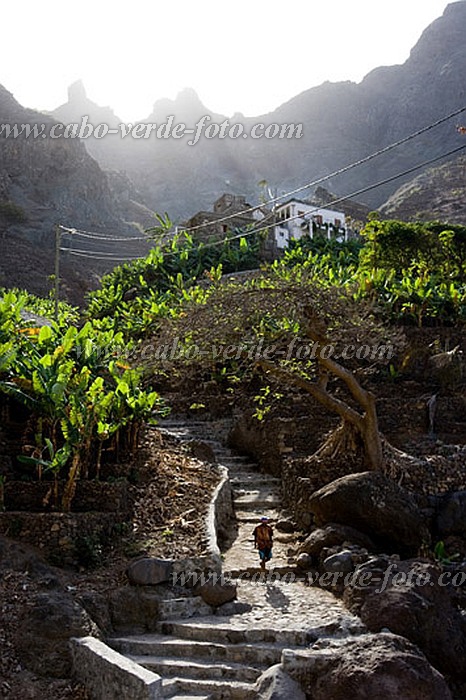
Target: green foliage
440 553
44 307
81 394
135 296
87 399
12 213
412 273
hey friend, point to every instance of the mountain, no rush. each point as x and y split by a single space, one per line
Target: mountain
46 181
438 194
342 123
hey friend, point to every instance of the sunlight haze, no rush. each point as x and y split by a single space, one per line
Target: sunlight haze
247 57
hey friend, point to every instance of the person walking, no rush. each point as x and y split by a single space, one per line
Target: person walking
263 541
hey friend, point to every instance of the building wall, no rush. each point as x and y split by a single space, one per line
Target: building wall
300 216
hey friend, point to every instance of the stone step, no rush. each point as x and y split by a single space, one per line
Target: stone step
225 453
183 607
217 631
271 573
260 655
262 491
240 470
217 690
245 480
183 696
246 516
206 669
256 503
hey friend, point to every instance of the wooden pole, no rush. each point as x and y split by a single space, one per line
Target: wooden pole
57 268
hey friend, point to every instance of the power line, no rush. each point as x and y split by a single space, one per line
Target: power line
99 237
370 187
273 200
340 171
246 234
99 255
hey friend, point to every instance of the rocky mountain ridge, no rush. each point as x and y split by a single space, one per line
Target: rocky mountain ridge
46 181
342 123
113 185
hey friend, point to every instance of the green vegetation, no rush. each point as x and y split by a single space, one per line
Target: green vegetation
87 394
82 397
12 213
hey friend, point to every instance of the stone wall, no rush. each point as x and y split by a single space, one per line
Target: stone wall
271 441
109 675
98 496
64 538
217 523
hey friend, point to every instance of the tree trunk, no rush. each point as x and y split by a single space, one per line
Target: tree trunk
373 453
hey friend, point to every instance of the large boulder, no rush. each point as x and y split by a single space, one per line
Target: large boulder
275 684
96 606
331 535
149 571
216 593
450 516
375 505
134 609
44 630
412 599
365 667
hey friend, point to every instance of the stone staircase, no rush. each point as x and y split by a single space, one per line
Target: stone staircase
201 655
199 660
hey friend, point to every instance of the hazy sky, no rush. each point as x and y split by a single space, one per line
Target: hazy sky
243 56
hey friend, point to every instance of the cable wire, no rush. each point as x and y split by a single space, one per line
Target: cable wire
99 237
273 200
246 234
340 171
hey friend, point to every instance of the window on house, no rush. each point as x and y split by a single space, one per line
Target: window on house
337 223
318 219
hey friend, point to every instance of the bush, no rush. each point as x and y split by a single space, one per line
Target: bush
12 213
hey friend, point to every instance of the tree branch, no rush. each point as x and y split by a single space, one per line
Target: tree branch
330 402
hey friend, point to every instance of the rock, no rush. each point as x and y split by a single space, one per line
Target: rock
372 503
96 606
304 562
44 630
447 368
407 598
202 450
134 610
233 608
275 684
451 514
217 593
367 666
285 526
149 571
334 534
342 562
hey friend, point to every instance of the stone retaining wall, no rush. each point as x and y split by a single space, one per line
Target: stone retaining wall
218 518
98 496
109 675
271 441
64 538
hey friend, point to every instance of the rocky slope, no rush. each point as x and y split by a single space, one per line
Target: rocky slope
437 194
342 122
45 181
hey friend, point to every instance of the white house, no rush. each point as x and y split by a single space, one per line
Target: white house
295 219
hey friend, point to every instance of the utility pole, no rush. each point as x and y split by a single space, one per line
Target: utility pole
57 268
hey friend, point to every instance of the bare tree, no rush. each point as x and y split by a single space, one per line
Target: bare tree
296 332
